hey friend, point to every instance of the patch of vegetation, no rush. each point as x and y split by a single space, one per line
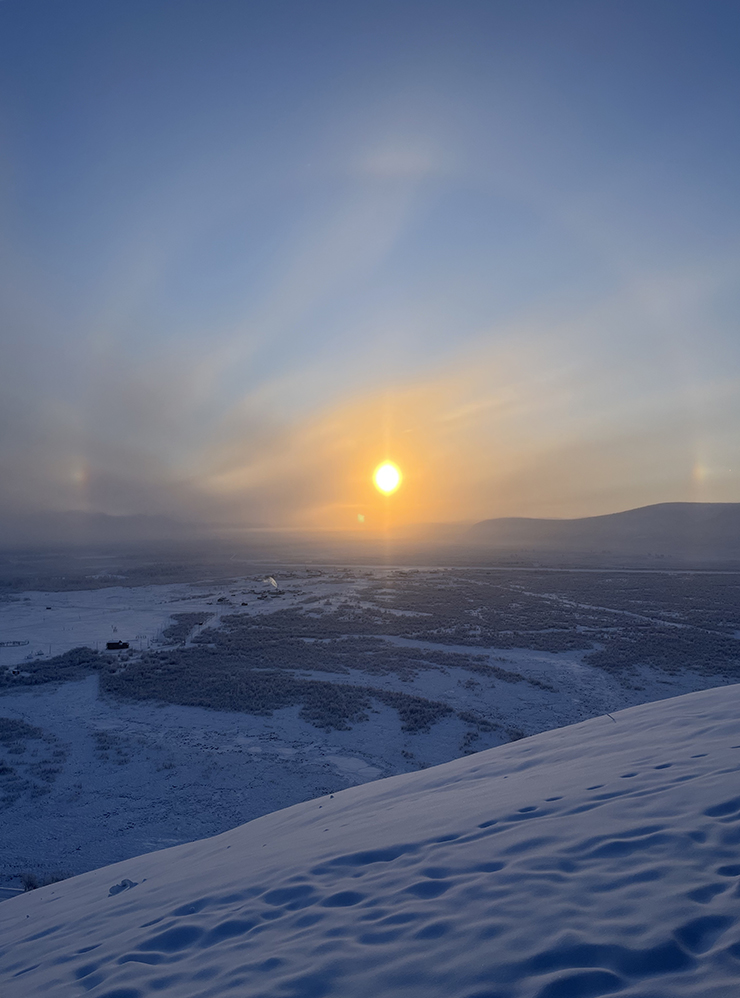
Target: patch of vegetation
333 643
477 609
542 628
293 640
710 601
32 881
185 623
202 677
416 713
671 650
482 723
19 776
468 740
13 735
74 664
110 747
45 771
12 730
333 706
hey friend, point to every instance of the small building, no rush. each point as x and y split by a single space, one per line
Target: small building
116 645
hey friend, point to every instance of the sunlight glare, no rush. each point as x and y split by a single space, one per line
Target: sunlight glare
386 477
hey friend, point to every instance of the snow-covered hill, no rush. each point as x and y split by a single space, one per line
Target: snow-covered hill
601 858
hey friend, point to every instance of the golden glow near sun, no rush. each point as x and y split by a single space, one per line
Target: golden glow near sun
386 477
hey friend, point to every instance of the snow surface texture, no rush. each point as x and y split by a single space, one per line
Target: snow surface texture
602 858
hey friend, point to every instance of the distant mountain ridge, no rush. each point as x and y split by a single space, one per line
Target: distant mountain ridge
680 534
696 530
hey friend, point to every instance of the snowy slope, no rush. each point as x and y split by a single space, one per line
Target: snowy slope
602 858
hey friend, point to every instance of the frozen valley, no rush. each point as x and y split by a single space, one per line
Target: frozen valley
235 700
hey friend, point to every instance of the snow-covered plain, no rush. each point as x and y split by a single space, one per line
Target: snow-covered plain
600 858
112 778
50 623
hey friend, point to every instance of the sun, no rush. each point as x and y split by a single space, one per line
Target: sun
386 477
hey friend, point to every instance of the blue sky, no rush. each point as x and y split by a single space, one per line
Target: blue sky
251 249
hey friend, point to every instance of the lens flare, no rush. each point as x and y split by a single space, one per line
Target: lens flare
386 477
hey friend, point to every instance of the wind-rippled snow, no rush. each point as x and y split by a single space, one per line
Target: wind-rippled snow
598 859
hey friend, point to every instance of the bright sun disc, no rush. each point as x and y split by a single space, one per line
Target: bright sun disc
386 477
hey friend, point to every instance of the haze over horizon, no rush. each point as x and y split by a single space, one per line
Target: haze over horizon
249 251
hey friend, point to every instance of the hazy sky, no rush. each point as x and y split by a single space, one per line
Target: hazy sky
250 249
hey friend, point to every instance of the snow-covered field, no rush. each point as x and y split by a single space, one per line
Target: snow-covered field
110 778
601 858
54 622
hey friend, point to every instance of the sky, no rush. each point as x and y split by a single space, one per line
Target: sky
249 250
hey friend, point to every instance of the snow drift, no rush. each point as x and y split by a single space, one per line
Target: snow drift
598 859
